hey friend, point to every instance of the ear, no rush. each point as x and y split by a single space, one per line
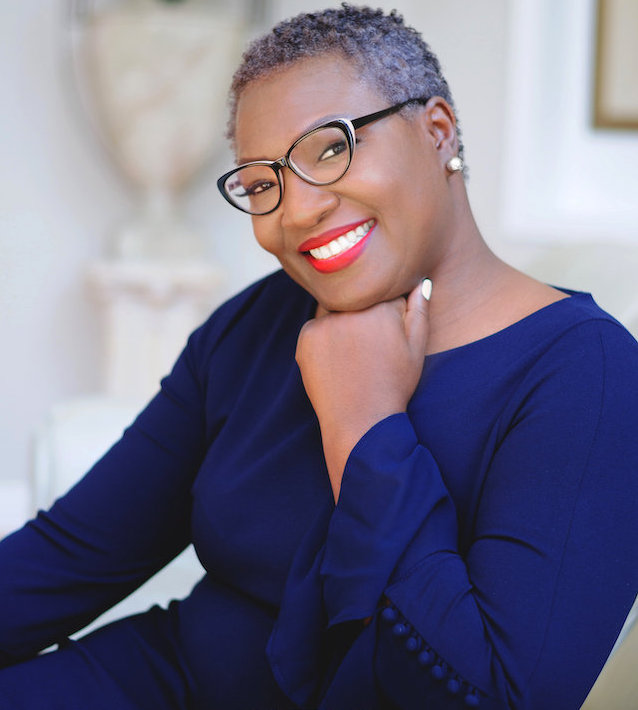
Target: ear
440 124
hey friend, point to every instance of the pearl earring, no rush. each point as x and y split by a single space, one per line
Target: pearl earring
455 164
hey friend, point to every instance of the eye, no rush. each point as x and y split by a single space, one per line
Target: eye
257 187
333 150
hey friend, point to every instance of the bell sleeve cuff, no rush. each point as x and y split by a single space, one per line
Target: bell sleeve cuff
391 493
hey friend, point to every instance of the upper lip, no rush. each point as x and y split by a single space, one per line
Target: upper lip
327 237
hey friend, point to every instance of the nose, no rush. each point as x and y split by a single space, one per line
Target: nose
304 205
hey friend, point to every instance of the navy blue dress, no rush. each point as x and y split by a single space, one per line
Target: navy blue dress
483 550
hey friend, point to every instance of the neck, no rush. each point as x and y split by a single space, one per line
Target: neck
468 280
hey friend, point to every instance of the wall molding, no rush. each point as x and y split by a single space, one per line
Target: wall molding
563 180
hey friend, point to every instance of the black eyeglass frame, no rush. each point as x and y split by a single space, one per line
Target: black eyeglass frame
348 126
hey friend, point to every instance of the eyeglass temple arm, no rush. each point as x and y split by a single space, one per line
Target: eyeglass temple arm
364 120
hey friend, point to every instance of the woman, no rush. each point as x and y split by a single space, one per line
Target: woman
399 502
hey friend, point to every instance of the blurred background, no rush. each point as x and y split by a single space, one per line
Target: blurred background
114 242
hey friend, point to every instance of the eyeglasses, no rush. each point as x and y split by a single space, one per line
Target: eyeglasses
320 157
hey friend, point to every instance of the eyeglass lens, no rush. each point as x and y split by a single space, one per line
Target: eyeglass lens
320 157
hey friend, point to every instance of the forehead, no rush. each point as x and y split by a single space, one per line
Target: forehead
273 111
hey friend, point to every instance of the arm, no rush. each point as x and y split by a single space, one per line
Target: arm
360 367
521 618
121 523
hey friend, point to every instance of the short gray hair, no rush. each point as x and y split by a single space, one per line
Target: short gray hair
390 55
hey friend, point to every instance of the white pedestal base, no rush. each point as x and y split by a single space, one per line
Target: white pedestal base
149 309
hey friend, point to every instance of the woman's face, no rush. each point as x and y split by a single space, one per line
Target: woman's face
395 189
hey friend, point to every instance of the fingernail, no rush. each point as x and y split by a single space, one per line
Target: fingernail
426 289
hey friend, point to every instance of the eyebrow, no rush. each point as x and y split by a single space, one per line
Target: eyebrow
310 127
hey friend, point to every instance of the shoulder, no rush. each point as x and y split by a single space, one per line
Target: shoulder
549 339
564 330
251 313
575 359
565 361
577 328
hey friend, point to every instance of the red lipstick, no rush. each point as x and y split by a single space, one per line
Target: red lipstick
347 253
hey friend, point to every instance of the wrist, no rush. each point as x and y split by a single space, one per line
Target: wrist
340 437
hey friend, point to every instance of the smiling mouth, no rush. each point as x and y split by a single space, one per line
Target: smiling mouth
343 243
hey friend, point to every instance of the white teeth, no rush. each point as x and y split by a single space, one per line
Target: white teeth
342 243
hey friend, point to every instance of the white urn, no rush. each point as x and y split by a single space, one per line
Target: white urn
154 75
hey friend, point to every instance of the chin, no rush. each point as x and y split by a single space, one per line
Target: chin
351 294
354 303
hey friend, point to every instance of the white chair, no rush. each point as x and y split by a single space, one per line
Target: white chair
617 686
74 436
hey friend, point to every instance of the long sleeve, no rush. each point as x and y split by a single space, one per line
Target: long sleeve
129 515
550 573
119 525
516 605
227 456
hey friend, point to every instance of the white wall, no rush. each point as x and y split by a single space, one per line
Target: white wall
55 202
59 198
59 201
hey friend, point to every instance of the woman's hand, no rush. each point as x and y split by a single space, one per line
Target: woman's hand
359 367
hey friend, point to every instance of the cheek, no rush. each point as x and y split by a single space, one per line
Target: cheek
267 234
394 179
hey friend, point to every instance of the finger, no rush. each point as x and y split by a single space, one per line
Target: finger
396 304
301 338
416 319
